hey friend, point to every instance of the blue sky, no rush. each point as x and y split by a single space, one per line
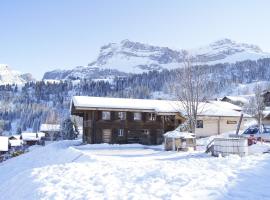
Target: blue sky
37 36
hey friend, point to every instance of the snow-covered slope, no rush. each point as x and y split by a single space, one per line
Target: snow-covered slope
9 76
227 51
135 57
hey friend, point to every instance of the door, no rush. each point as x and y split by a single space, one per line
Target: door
106 135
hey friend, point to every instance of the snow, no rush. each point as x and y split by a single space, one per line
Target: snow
228 51
9 76
132 57
158 106
178 134
64 170
248 88
226 105
135 57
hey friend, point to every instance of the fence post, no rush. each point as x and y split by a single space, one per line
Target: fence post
239 124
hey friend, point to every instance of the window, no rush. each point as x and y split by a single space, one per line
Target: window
120 132
137 116
168 118
146 132
199 124
152 116
121 115
106 115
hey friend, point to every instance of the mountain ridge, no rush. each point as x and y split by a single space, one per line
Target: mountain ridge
10 76
134 57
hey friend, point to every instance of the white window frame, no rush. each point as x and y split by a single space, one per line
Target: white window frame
146 131
122 115
152 117
137 116
120 132
106 115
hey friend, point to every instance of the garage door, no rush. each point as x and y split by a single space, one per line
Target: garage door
106 135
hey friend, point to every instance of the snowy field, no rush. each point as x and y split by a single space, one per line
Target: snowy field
66 170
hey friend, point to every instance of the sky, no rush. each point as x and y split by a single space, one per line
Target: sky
38 36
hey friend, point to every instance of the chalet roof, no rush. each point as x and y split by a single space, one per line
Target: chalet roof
14 137
226 105
148 105
28 136
49 127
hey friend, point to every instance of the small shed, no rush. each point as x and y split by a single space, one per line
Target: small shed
179 141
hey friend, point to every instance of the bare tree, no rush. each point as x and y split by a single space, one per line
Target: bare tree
256 105
190 92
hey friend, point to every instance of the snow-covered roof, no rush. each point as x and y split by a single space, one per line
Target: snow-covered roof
14 137
226 105
241 98
49 127
178 134
27 136
150 105
266 113
3 143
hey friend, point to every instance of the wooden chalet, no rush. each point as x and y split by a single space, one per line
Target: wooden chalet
144 121
118 120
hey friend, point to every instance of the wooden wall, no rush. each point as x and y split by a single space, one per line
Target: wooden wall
142 131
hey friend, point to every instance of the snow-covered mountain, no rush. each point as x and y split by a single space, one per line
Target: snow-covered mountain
9 76
135 57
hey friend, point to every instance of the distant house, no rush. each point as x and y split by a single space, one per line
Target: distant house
52 131
15 142
4 144
120 120
32 138
266 97
240 100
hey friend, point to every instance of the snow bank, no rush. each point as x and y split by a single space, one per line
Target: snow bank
64 170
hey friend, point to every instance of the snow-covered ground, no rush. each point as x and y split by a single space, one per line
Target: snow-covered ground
67 170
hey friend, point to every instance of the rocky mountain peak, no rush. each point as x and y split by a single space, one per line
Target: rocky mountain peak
9 76
136 57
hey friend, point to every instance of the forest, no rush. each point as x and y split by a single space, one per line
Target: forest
26 107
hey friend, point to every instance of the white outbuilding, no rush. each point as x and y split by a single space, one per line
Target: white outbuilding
179 141
3 144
